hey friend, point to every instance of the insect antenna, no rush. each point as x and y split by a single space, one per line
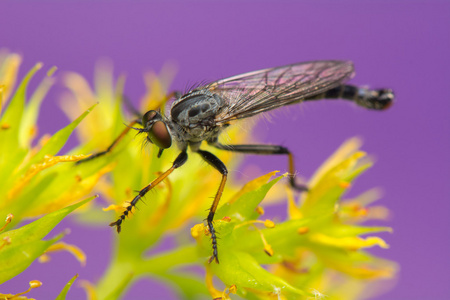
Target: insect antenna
140 130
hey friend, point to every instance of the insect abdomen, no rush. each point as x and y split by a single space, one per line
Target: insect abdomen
371 99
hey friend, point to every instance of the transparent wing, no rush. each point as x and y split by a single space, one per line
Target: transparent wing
259 91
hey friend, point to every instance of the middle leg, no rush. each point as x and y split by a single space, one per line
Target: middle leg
219 166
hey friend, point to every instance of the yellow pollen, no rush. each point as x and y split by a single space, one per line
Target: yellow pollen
35 284
227 291
233 289
269 224
6 241
44 258
345 185
260 210
8 220
268 249
226 219
197 230
303 230
46 163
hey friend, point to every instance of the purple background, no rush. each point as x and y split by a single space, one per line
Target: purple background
396 44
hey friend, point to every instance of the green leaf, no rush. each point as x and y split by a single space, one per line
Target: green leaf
58 140
62 295
323 196
242 270
26 244
13 114
283 238
9 174
31 196
358 264
14 259
11 153
31 111
245 207
8 168
41 227
343 230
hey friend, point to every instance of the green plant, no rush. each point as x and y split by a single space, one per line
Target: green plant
317 250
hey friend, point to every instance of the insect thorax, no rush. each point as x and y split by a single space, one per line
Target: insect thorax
194 115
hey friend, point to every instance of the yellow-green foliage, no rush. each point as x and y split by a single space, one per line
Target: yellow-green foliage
318 250
35 180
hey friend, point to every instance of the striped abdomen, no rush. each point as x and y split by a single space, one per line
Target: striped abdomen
371 99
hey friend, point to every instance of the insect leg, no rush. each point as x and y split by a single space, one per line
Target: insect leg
179 161
111 147
267 150
125 131
129 105
219 166
371 99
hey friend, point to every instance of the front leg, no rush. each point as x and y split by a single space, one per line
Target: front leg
219 166
179 161
112 146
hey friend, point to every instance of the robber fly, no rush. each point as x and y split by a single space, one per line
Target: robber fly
204 112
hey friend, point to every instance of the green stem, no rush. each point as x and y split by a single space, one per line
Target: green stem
115 280
124 269
163 262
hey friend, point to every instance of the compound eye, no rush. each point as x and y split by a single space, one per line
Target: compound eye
148 116
160 135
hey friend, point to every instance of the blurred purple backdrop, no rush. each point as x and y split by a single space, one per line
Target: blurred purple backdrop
396 44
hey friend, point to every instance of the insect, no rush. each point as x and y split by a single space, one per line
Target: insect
204 112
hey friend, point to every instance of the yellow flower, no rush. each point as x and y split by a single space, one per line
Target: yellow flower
35 178
305 251
33 284
9 67
296 258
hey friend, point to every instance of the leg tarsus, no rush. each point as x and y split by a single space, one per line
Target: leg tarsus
212 231
215 255
118 224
